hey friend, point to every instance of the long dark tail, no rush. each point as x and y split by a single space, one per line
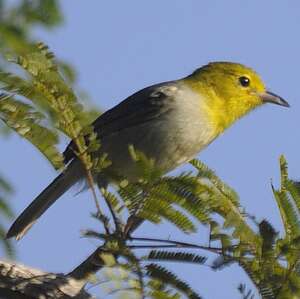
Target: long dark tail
41 203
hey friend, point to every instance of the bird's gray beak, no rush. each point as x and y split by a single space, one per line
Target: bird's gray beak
270 97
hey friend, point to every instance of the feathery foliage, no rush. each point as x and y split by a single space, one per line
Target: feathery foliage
26 121
39 105
176 257
19 19
45 83
167 277
272 262
17 22
31 103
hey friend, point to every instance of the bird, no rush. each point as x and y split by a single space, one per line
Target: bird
170 122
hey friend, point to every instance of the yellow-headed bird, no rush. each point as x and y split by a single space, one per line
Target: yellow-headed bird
169 122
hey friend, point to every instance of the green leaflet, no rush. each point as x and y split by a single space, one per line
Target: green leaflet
54 102
40 104
167 277
24 120
176 256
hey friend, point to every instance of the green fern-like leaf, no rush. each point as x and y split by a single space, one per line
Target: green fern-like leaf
48 82
146 166
292 188
170 256
113 200
288 213
12 83
155 294
286 203
224 201
156 205
187 193
205 173
46 89
167 277
170 198
24 120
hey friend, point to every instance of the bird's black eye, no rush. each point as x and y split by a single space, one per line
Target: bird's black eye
244 81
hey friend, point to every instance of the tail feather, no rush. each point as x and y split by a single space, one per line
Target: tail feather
43 201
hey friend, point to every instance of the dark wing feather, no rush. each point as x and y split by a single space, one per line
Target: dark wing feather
140 107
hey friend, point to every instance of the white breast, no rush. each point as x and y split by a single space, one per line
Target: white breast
172 139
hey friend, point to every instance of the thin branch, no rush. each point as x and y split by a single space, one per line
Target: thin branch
91 185
212 249
112 212
176 244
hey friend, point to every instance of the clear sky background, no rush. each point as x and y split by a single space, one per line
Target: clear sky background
119 47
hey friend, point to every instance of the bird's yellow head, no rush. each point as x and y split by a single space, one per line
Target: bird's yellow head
230 90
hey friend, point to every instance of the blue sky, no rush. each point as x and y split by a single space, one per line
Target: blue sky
119 47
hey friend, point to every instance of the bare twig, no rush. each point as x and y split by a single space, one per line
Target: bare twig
173 244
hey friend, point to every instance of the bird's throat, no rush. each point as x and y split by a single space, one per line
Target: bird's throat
220 113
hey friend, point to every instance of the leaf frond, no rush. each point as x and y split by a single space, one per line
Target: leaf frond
26 121
167 277
176 257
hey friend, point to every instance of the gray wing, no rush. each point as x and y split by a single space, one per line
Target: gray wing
141 107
